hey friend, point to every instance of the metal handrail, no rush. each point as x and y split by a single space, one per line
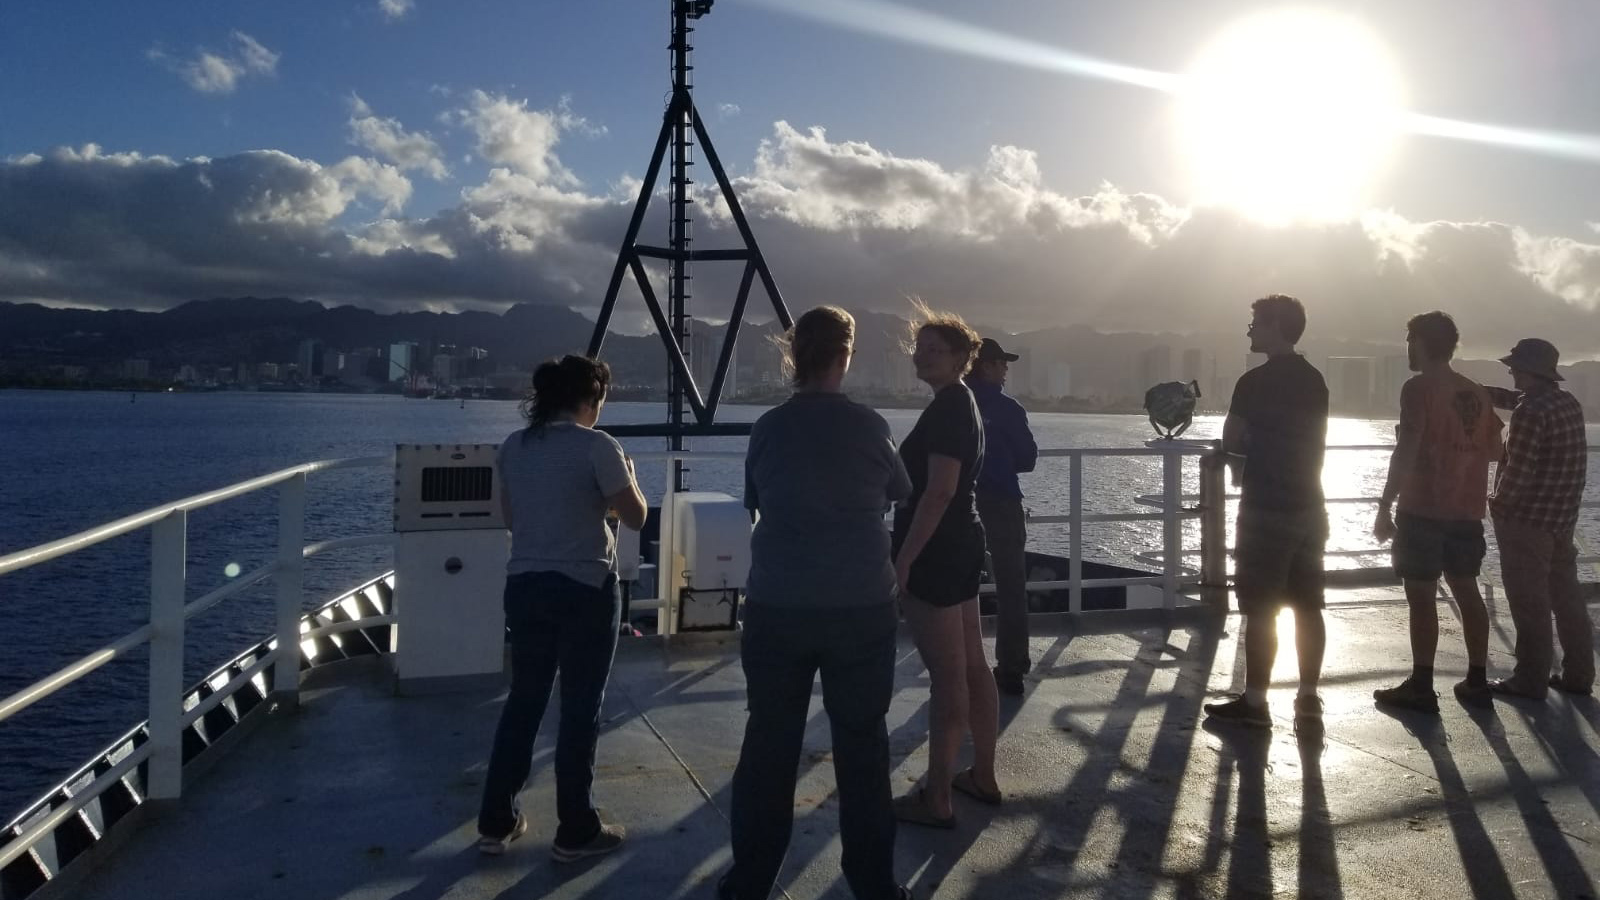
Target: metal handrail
169 524
32 556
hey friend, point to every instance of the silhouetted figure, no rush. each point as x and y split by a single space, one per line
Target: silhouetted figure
1008 449
939 546
1277 430
559 477
1439 471
1538 489
821 471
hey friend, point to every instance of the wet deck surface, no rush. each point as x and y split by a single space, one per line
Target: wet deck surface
1115 789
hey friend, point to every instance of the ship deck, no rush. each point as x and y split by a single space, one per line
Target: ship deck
1115 788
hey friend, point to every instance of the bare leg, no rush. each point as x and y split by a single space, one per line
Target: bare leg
982 698
1310 643
1474 619
937 631
1260 650
1422 596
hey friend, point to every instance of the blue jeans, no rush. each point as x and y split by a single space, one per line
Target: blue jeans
783 650
556 623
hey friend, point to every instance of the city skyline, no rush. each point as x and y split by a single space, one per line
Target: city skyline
1041 166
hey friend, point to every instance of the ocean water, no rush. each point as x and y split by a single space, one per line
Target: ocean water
78 459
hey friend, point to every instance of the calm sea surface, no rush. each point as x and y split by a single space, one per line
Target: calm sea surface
78 459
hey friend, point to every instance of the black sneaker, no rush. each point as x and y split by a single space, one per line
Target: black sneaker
1240 711
1008 683
1308 714
1474 694
1561 685
1409 694
609 839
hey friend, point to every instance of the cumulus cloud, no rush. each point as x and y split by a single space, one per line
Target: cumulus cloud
396 9
389 140
727 111
220 73
840 221
522 139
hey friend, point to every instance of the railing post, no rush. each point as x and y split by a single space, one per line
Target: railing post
1075 539
1171 525
291 588
168 560
667 553
1214 529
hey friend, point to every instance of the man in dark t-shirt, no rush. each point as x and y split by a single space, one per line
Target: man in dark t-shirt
1276 430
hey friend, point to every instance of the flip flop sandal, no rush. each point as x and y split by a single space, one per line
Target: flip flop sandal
965 783
913 808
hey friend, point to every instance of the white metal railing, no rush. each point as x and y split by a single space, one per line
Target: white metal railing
169 610
1172 580
169 607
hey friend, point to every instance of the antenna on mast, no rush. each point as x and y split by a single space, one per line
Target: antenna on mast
690 412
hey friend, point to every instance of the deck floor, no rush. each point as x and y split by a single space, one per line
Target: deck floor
1115 788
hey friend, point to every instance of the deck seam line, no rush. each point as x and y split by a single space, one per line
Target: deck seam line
683 764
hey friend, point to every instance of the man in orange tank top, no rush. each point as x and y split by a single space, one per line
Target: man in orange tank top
1439 471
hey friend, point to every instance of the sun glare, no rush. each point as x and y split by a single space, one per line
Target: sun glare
1288 116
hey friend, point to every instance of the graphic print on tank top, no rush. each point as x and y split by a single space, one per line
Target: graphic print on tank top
1469 407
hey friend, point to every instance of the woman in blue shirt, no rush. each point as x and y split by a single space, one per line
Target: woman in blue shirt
821 472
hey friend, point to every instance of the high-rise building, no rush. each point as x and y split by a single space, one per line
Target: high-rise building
443 369
1155 367
1393 371
1060 380
1193 368
332 363
310 359
402 361
136 368
705 349
1349 384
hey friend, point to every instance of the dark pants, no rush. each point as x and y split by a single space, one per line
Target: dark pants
556 623
1006 529
783 650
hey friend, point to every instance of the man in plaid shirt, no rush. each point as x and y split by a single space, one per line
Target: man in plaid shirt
1538 488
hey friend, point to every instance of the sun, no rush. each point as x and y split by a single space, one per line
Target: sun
1288 116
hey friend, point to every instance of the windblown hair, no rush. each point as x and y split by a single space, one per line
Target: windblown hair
1436 332
562 385
818 337
962 340
1286 312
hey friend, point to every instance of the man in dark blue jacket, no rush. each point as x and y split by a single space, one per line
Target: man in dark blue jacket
1009 448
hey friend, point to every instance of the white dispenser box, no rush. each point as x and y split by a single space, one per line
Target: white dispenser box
450 568
711 531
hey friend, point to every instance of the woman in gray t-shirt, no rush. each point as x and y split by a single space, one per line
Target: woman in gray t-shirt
559 477
821 472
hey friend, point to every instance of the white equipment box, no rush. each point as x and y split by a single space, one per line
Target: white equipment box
450 568
712 534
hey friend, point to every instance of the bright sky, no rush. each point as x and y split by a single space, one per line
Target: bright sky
441 153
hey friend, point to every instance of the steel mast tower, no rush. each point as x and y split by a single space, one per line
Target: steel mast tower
690 412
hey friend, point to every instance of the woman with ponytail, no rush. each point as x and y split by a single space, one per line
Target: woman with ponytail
821 472
559 477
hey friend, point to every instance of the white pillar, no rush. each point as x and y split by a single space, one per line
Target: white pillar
168 538
291 588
